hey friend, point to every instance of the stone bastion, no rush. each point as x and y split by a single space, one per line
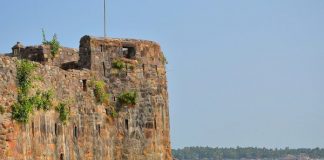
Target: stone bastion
104 127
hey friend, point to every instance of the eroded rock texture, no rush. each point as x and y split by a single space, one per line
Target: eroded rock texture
138 132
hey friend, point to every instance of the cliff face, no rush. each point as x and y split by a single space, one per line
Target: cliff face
107 130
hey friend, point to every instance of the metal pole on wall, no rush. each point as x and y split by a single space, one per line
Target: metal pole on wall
105 34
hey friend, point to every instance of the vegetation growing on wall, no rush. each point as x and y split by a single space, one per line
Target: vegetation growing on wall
24 77
2 109
111 111
131 67
127 98
43 100
54 44
114 113
25 104
99 89
64 112
118 64
22 109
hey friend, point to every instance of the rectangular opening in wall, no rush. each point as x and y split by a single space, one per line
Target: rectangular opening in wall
101 48
129 52
84 85
33 129
155 123
55 129
75 132
126 69
107 111
61 156
104 68
149 125
126 124
98 129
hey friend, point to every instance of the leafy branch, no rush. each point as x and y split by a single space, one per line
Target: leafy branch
54 43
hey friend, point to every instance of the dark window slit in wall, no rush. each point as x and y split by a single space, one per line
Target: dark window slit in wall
55 129
155 123
33 129
98 129
84 85
126 124
126 69
101 48
75 132
114 98
143 67
104 68
156 69
61 156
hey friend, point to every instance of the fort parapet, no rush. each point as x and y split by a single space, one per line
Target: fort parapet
138 131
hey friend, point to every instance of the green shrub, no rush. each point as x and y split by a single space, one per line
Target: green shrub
113 114
111 111
2 109
54 43
131 67
24 71
43 100
128 98
118 64
22 109
100 91
24 106
63 111
37 100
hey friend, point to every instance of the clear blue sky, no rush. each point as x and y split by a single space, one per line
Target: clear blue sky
241 72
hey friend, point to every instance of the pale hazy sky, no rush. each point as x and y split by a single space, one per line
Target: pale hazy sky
241 72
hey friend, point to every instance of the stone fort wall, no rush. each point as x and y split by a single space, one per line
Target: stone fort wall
138 132
42 54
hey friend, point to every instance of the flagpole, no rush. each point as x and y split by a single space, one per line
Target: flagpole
105 34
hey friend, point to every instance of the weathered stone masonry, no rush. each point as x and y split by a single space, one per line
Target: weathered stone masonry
139 132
